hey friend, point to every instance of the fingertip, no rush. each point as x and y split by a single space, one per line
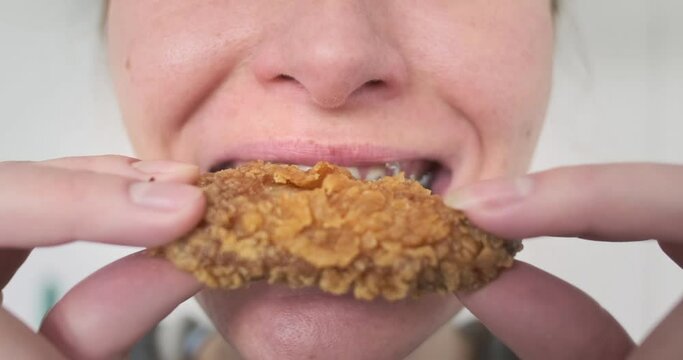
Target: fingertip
164 196
169 210
166 170
491 195
494 205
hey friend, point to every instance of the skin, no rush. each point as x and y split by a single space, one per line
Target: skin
464 83
217 90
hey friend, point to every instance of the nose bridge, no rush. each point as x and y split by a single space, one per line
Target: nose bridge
339 35
331 49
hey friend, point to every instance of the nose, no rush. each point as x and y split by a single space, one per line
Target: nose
332 54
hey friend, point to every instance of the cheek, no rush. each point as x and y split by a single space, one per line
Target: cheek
495 70
506 93
164 63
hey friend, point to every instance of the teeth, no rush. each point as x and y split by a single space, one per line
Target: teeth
354 171
375 173
369 173
394 167
426 179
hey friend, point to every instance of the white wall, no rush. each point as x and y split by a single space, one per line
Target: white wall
619 78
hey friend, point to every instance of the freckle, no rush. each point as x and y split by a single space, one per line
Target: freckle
128 65
527 133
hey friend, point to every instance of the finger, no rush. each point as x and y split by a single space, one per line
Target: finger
18 342
622 202
665 341
158 170
542 317
104 315
44 206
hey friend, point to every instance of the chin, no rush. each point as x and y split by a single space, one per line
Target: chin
275 322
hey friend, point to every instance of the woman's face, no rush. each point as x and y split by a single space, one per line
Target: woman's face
460 84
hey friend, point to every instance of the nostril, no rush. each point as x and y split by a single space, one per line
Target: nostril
285 77
375 83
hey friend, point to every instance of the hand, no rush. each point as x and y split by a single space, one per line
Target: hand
541 317
108 199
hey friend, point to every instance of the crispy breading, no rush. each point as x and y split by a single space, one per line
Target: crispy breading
385 238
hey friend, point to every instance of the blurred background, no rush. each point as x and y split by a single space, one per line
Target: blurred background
617 97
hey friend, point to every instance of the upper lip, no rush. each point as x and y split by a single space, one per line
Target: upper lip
309 152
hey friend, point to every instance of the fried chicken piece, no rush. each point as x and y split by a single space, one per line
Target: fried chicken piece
385 238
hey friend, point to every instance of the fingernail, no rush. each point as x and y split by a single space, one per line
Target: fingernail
161 167
163 196
491 194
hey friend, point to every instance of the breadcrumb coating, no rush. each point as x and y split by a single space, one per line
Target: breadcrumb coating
387 238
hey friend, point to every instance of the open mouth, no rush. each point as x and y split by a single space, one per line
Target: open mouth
306 320
429 173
